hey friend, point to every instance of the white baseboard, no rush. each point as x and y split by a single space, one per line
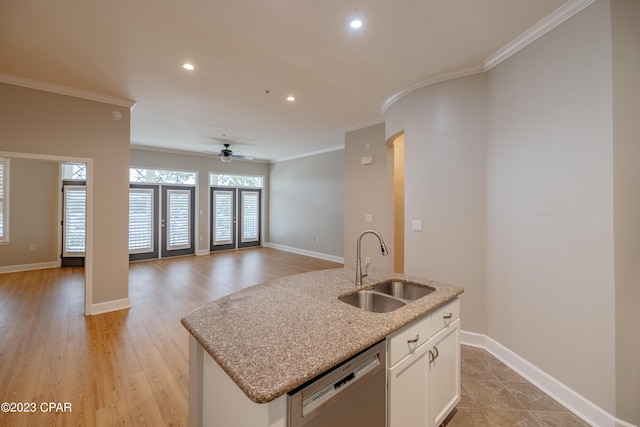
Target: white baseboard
298 251
201 252
106 307
576 403
29 267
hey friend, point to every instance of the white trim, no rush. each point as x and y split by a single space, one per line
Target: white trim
576 403
108 306
557 17
428 82
64 90
202 252
298 251
309 154
29 267
550 22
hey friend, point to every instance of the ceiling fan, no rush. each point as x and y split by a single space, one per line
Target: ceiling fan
226 155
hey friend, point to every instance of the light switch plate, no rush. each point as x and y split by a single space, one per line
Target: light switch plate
416 225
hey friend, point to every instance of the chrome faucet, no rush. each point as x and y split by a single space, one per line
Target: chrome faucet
359 274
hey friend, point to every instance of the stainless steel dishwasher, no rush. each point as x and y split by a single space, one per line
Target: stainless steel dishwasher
351 394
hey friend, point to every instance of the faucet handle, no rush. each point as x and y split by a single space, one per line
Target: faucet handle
366 268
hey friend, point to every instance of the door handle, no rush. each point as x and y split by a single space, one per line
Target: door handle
162 223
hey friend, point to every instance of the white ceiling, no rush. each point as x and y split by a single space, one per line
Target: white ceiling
241 49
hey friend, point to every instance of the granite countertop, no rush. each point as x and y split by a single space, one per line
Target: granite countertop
273 337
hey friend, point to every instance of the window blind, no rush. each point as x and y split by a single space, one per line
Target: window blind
75 220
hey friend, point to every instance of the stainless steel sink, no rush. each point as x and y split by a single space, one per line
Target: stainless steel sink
387 296
404 290
372 301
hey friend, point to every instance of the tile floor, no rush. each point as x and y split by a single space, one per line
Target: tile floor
495 395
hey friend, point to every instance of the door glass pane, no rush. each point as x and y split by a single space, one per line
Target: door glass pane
178 219
223 215
75 220
141 233
250 203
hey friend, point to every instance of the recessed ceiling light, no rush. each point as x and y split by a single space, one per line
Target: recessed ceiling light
356 23
291 98
188 67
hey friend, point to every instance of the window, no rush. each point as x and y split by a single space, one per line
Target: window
4 200
74 171
240 181
141 232
157 176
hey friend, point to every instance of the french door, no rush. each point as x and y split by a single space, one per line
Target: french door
177 219
74 223
235 218
161 221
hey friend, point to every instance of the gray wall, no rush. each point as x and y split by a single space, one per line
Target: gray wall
34 195
625 16
368 190
203 165
42 123
306 203
445 187
550 205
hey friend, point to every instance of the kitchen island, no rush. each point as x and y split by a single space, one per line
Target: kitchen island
271 338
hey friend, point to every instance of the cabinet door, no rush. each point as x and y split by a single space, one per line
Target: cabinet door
443 377
407 390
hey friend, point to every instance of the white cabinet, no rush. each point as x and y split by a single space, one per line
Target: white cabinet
443 376
407 390
423 381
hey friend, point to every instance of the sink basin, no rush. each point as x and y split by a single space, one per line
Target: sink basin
372 301
403 290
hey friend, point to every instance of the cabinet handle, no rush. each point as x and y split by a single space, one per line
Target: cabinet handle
431 357
448 316
437 353
415 340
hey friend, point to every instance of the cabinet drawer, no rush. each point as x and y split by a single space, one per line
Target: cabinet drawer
408 339
444 316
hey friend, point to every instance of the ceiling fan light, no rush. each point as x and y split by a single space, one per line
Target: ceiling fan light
226 159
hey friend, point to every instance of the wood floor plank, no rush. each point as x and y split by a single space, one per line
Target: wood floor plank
129 367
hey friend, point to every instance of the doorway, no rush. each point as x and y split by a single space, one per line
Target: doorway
396 144
235 218
88 269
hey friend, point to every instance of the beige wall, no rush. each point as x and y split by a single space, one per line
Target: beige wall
33 218
37 122
445 171
368 190
626 158
203 165
561 198
550 170
306 209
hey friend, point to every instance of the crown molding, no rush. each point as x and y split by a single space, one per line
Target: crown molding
64 90
450 75
557 17
554 19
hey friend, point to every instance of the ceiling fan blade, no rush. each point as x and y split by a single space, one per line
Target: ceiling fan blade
240 156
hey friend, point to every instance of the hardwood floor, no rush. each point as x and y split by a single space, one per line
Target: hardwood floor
128 367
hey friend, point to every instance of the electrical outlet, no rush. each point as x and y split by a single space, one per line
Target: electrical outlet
32 247
367 260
